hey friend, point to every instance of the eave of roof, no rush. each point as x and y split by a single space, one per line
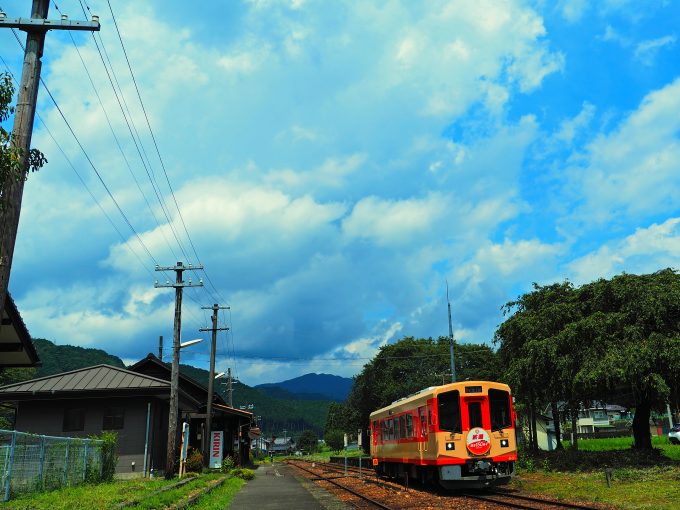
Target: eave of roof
23 337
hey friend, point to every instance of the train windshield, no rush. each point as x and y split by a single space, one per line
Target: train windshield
449 411
499 409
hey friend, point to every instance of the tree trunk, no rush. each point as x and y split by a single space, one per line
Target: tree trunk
534 428
641 434
556 421
574 431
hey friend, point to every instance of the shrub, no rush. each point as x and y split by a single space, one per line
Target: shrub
109 455
227 464
194 460
244 473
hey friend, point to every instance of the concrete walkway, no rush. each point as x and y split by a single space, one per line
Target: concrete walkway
276 487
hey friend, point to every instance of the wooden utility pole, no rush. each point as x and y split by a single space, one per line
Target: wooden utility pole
211 377
174 375
13 189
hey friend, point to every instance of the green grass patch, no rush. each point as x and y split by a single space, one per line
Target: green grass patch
108 495
631 488
640 480
221 497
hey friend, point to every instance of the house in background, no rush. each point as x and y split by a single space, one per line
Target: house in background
282 445
133 402
599 417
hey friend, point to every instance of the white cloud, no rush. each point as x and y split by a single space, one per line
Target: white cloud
395 222
632 172
645 251
646 51
573 10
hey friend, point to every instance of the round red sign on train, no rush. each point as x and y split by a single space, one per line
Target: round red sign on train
478 441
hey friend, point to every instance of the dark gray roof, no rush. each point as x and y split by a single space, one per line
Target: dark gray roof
96 378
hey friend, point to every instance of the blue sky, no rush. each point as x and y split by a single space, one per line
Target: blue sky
335 163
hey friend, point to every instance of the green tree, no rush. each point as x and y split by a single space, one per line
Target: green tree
11 170
308 441
335 439
610 339
410 365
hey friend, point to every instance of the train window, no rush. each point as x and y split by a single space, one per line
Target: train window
423 421
449 411
390 425
409 425
383 428
499 409
475 414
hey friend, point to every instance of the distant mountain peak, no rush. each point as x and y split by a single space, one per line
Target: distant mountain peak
314 386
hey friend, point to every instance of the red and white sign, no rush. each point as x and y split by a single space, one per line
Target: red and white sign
216 440
478 441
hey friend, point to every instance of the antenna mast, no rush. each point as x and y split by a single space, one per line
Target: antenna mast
453 364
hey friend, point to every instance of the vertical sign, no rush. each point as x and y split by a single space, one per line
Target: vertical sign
216 437
183 449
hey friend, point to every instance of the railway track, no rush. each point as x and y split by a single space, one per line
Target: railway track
400 496
333 480
510 500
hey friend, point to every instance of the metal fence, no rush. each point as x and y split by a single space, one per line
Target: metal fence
32 463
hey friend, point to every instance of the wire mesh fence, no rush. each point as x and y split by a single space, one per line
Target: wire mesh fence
33 463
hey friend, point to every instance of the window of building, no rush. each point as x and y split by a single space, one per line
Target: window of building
113 418
449 411
74 419
499 408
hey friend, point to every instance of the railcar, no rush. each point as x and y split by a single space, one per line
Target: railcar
461 435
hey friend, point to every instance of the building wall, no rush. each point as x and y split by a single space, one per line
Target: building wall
47 417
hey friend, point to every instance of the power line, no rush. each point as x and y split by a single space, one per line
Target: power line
160 158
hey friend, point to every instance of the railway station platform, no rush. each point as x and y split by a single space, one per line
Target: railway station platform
276 487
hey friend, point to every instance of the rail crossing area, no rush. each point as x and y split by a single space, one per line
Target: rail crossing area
362 489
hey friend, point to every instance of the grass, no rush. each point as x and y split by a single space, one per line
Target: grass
639 480
107 495
221 497
655 488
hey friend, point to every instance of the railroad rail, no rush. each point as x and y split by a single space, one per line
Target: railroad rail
332 480
511 500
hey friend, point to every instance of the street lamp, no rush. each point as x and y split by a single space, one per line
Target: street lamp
188 343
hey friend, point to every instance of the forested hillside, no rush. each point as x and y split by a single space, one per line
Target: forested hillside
62 358
276 413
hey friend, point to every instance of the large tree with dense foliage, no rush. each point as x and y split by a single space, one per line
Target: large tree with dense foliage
616 339
411 365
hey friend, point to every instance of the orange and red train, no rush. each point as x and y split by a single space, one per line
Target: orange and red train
460 434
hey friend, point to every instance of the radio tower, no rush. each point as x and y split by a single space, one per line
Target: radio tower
453 364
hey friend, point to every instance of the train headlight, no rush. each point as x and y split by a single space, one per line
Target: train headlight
505 443
450 446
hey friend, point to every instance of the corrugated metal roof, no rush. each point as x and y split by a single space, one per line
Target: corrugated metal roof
98 377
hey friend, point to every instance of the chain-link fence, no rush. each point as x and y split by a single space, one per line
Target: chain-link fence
32 463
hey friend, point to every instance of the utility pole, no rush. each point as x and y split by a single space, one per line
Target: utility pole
13 189
211 376
174 375
160 348
453 362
